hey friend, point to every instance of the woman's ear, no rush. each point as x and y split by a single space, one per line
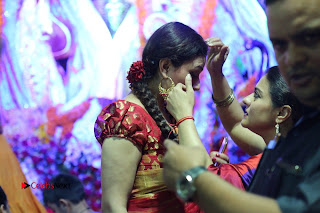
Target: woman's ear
283 114
164 65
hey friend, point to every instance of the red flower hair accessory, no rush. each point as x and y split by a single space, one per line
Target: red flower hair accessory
136 72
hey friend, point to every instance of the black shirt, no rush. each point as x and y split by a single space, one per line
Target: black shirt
290 172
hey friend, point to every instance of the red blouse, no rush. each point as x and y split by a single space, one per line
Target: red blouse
130 121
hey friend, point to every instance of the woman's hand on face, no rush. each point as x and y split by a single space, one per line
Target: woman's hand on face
217 55
219 158
180 101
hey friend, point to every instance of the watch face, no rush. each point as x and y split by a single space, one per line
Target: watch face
185 188
184 185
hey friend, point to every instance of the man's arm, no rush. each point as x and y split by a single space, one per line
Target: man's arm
213 194
223 197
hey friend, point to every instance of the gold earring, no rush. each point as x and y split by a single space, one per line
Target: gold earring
278 134
165 92
277 129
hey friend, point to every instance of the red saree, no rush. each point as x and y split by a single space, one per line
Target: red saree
239 175
128 120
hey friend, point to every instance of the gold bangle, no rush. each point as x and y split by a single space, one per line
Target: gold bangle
226 102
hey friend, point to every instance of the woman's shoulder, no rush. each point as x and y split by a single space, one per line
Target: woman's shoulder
121 108
128 120
121 119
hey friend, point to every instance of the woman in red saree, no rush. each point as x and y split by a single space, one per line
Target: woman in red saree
132 131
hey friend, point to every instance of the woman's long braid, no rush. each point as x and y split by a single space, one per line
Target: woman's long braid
141 90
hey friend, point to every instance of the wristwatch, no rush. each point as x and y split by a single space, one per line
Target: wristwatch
185 188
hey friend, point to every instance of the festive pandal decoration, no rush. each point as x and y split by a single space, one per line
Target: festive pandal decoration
207 18
47 157
142 14
1 14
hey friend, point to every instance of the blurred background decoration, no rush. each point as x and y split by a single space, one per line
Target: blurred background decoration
63 60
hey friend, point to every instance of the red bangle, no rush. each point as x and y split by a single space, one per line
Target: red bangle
177 124
183 119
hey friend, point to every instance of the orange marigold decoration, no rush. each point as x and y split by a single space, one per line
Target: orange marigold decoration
1 15
207 18
66 120
142 14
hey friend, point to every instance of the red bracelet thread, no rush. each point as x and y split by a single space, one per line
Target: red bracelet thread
183 119
177 124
